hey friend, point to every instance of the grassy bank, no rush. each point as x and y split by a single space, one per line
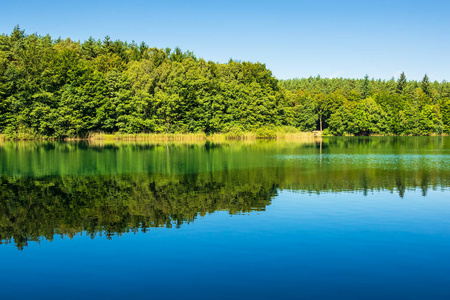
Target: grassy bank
162 137
165 137
147 136
234 133
238 135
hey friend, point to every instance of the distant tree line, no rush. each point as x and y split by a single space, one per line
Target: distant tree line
63 88
365 107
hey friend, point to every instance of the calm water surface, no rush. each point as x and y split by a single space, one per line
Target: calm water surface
332 218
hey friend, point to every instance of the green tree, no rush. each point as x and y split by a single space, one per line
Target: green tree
401 83
366 86
426 85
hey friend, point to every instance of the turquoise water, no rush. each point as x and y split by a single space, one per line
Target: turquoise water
332 218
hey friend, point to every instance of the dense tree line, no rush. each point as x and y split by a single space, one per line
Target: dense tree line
63 88
367 107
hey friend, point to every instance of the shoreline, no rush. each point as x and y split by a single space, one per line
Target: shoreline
162 137
199 137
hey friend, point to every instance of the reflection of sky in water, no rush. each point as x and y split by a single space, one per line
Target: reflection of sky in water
386 161
377 247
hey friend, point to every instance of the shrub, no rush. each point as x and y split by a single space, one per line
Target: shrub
266 133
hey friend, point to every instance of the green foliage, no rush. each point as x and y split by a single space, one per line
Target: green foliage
65 89
426 85
445 112
401 83
287 129
386 108
366 86
235 133
266 133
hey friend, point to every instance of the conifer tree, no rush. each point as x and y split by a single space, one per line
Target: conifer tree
366 87
401 83
426 85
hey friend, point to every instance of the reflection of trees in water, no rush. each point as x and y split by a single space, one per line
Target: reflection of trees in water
87 193
32 209
40 159
36 208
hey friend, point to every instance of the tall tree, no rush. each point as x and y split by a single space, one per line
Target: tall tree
426 85
401 83
366 86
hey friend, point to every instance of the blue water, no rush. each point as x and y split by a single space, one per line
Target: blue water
328 246
361 244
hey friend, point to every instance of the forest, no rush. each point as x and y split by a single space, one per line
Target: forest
60 88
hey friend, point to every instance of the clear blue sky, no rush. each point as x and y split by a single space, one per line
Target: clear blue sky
293 38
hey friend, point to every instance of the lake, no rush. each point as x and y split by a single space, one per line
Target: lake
320 218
